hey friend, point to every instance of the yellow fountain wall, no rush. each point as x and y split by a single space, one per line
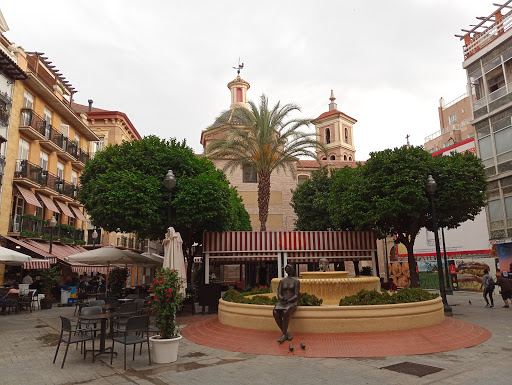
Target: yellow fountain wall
336 319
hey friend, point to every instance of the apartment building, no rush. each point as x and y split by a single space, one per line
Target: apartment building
46 150
454 124
487 60
111 127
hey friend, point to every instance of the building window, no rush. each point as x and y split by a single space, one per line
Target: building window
302 179
350 159
239 95
28 100
328 136
74 178
60 170
452 118
333 157
64 129
71 221
495 210
249 174
448 143
77 139
43 160
344 157
463 110
346 135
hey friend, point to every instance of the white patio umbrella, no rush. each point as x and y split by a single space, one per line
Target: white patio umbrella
110 255
157 259
12 257
173 254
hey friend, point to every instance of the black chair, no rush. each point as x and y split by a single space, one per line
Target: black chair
97 302
74 336
132 296
25 301
11 302
125 308
112 301
91 310
140 303
132 335
82 300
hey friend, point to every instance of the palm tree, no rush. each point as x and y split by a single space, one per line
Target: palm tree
265 140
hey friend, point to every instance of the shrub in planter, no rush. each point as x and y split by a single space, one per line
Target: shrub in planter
166 300
253 298
117 281
50 278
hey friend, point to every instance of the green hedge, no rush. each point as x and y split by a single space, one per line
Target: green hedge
374 297
252 297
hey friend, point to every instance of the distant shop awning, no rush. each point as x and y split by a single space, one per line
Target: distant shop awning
37 264
30 247
47 201
65 209
79 215
29 196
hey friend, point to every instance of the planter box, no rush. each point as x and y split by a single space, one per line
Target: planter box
165 351
336 319
45 304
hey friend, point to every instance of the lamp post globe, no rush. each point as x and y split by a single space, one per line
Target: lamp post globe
118 235
430 188
169 183
52 222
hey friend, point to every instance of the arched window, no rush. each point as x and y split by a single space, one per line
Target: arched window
333 157
328 136
350 159
239 97
346 135
324 158
344 157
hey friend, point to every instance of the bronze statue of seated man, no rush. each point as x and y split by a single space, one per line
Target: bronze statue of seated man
288 293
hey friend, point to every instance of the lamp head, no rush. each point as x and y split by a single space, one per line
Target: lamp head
94 234
53 222
430 185
169 180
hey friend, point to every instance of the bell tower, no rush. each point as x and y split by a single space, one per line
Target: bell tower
335 129
238 88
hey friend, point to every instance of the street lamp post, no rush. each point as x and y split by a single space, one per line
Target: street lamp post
94 237
53 223
169 182
118 235
449 289
430 187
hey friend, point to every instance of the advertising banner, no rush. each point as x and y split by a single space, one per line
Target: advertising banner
505 256
400 274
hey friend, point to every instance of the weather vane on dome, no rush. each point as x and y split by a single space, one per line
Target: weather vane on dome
240 67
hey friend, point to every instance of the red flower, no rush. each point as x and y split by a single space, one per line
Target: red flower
163 281
170 290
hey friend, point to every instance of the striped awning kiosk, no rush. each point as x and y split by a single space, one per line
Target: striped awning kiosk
288 246
37 264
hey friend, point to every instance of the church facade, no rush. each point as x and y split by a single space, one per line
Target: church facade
333 128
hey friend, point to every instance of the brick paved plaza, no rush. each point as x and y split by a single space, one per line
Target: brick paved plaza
27 349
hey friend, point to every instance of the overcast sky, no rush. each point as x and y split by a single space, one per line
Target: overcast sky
166 64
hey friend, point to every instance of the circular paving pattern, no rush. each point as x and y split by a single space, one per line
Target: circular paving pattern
451 334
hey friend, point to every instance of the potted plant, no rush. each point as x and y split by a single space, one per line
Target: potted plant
166 299
50 278
117 281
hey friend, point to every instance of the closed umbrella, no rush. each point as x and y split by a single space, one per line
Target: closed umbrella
12 257
173 254
152 257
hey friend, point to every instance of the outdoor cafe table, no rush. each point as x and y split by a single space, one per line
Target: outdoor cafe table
103 318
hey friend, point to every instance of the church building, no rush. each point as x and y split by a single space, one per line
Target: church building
334 128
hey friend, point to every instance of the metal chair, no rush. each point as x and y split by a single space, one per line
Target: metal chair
125 308
112 301
91 310
132 336
11 302
140 303
72 338
25 301
97 302
82 299
133 296
35 300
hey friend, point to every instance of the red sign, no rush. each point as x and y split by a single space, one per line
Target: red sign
453 269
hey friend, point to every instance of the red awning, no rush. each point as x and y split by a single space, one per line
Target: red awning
30 247
49 203
37 264
79 215
29 196
65 209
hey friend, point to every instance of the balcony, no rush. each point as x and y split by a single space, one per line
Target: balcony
82 158
32 175
2 165
31 226
33 126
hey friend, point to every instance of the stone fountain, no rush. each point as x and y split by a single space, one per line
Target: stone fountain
331 286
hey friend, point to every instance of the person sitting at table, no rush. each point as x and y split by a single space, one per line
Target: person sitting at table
4 302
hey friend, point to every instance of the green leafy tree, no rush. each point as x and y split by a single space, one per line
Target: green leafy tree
310 201
341 180
122 187
265 139
388 194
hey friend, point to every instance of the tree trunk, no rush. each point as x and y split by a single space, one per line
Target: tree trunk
263 199
415 278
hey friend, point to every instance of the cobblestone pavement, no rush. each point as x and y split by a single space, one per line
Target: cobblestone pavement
27 346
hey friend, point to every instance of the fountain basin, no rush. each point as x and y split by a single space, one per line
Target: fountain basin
336 319
330 287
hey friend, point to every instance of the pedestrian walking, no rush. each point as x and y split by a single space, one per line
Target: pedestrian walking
488 285
505 288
